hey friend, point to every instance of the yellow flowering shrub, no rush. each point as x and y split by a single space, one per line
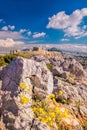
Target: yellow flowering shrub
49 114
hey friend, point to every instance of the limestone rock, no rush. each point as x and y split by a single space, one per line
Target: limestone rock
37 125
73 95
73 67
17 114
23 70
16 99
2 72
57 71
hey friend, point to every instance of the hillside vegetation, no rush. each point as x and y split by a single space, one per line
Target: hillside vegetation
6 59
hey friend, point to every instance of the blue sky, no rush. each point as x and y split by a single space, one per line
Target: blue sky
43 21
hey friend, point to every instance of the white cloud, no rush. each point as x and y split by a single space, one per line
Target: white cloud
9 34
5 28
29 33
11 27
84 27
64 40
69 23
23 30
9 43
36 35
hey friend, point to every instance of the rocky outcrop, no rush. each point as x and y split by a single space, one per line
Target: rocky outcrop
28 71
74 96
73 67
22 79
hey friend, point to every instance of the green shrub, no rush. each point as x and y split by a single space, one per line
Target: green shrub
6 59
49 66
2 61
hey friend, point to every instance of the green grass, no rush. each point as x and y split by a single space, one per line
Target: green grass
49 66
6 59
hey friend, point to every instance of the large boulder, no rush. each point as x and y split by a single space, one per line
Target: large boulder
22 79
27 71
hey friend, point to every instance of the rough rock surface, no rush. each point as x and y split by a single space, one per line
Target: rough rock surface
2 72
70 77
73 67
15 115
67 76
28 71
68 65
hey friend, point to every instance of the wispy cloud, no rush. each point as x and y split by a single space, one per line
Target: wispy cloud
29 33
64 40
5 28
23 30
9 31
10 43
9 34
11 27
70 24
37 35
8 27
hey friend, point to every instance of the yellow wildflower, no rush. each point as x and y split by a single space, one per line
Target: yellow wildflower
60 92
44 120
66 109
52 96
39 117
52 114
22 85
50 123
35 109
65 115
41 110
24 99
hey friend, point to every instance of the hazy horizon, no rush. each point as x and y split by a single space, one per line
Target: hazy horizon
63 47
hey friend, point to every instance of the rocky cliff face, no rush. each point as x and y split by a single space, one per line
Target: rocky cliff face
24 81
